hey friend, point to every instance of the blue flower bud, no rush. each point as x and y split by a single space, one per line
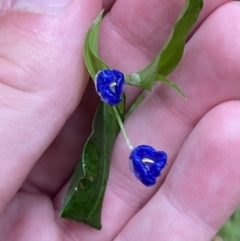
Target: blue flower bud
147 163
109 85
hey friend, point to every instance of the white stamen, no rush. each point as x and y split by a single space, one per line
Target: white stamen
146 160
113 84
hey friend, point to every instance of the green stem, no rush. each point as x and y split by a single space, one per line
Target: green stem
122 128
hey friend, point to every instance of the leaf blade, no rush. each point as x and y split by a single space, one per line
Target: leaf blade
84 198
92 61
170 83
176 41
171 53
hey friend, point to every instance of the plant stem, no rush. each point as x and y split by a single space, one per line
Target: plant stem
122 128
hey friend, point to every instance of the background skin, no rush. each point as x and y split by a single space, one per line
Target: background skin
43 127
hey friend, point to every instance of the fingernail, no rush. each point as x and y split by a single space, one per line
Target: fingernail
36 5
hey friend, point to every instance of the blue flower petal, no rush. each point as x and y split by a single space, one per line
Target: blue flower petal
147 163
109 85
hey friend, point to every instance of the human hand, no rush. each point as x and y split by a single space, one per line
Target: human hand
199 188
42 79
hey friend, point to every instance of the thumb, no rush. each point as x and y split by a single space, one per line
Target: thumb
42 78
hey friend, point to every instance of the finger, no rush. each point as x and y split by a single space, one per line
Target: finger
131 27
125 195
52 185
107 4
135 31
41 64
203 180
164 120
56 164
29 217
39 179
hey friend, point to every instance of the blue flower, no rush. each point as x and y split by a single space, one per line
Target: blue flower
109 85
147 163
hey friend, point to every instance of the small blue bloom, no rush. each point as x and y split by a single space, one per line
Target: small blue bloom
147 163
109 85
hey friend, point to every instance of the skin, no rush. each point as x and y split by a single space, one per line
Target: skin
43 127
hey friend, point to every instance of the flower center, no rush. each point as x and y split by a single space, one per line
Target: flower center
112 85
147 162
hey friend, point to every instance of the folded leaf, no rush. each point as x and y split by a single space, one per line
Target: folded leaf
170 55
172 51
93 62
170 83
84 198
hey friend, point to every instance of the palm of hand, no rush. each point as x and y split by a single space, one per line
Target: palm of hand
199 188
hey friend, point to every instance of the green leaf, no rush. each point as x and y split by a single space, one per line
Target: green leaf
169 82
230 230
84 198
121 106
93 62
171 53
145 78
